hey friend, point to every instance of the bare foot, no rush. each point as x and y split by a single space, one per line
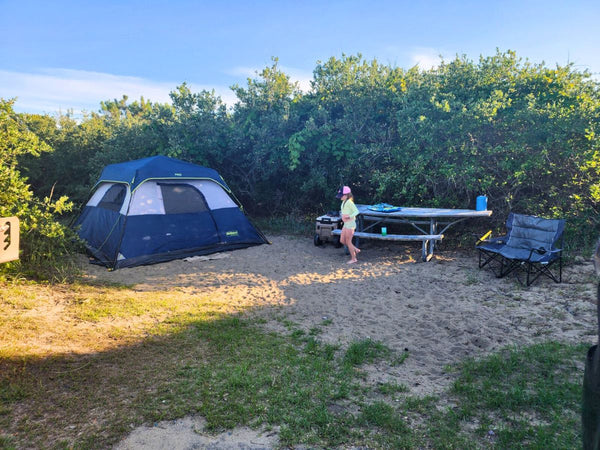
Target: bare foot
352 261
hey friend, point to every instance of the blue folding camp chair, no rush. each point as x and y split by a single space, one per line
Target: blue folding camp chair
532 245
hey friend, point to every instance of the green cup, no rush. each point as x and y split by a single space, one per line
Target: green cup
383 231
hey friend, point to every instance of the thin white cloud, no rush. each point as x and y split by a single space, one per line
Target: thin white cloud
242 71
426 58
49 91
53 90
300 76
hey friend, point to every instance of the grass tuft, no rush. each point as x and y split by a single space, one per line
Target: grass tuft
365 351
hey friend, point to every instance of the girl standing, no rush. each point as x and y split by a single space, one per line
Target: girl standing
349 213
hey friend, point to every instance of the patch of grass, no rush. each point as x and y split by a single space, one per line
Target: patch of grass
260 378
314 331
421 405
10 392
6 443
400 359
525 396
391 388
392 430
365 351
298 333
472 279
383 416
287 323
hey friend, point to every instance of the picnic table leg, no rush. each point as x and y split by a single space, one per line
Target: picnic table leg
359 227
427 252
432 230
429 246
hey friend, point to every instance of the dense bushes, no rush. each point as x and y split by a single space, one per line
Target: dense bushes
524 134
45 243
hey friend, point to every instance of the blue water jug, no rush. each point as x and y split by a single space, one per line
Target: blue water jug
481 203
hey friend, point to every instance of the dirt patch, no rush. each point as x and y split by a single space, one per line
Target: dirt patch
187 433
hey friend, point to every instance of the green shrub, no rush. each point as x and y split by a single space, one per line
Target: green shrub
46 244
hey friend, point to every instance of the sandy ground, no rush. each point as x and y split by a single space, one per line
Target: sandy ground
439 312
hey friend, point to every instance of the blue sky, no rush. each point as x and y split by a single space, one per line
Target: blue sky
71 55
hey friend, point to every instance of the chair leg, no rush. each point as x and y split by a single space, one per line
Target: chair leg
489 258
536 270
510 266
560 269
533 270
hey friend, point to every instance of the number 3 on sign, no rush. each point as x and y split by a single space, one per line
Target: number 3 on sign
9 239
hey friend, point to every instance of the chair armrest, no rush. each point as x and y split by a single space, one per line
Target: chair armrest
543 251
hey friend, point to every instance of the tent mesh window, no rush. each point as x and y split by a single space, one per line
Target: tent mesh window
113 199
182 199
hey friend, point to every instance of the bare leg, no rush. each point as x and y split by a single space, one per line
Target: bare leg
343 236
347 233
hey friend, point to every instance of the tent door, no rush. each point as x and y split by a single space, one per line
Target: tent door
184 198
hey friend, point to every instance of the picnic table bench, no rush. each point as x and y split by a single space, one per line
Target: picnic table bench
425 238
436 218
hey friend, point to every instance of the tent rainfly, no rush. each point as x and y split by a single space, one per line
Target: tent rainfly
157 209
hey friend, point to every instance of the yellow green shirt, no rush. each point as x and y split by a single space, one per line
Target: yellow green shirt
349 208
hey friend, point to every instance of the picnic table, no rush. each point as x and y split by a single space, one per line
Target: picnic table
369 223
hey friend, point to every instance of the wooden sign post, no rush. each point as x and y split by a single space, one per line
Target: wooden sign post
9 239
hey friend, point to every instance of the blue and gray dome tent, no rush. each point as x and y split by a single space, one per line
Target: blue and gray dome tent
157 209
